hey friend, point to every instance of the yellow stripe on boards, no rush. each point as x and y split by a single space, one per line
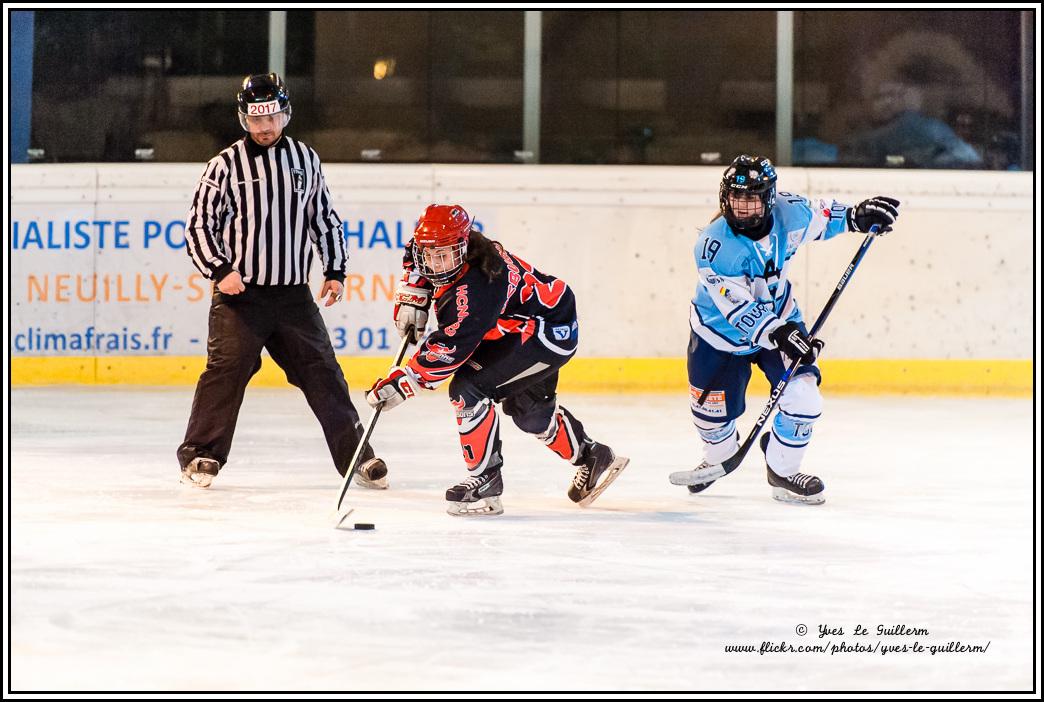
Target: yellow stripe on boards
166 370
864 377
608 375
53 370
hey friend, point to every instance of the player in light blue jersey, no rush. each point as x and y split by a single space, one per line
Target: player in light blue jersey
744 312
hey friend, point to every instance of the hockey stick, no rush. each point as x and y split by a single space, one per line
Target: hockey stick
702 476
366 436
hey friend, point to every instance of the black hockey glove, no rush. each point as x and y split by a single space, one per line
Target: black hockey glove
789 339
880 210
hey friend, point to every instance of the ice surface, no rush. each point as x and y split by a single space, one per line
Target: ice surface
122 578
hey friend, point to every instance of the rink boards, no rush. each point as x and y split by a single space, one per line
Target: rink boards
102 290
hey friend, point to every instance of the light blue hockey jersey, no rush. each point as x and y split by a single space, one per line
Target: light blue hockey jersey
743 292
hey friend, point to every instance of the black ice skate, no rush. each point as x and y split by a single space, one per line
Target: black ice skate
372 474
598 460
798 488
477 496
200 472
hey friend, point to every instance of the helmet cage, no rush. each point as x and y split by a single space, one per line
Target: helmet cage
450 258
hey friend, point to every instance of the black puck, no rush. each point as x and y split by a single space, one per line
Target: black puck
363 525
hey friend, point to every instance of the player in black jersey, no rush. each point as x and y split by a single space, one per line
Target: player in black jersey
504 329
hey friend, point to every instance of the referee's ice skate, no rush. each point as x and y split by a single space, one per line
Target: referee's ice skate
200 472
372 474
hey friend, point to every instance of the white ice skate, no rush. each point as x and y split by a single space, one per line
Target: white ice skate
703 474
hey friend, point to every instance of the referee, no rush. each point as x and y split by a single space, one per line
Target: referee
260 207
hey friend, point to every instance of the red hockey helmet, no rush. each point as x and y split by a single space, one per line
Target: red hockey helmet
440 242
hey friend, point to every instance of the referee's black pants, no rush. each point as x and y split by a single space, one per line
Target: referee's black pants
285 320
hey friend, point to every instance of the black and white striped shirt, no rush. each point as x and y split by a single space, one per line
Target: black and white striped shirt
258 211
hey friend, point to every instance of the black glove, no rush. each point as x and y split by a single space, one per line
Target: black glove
880 210
789 339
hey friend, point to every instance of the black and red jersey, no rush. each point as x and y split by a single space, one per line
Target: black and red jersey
474 309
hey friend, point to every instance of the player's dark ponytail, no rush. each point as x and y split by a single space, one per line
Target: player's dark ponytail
482 254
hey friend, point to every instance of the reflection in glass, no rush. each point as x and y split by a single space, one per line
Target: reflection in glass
921 89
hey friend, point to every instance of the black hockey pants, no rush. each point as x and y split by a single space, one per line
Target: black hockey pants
286 321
